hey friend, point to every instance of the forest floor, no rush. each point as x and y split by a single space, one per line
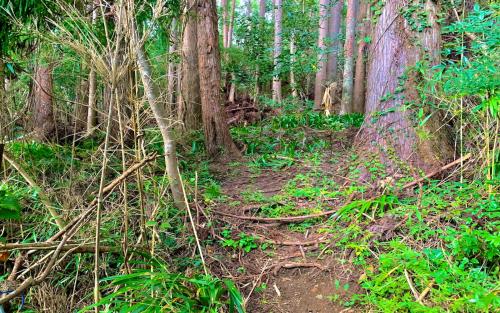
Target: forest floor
375 244
300 270
283 266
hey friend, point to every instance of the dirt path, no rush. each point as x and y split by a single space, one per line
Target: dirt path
301 272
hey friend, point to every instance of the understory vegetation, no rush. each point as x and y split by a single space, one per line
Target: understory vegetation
150 165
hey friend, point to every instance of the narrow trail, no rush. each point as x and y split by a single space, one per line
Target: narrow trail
296 267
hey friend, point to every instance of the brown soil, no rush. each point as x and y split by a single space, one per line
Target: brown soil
307 278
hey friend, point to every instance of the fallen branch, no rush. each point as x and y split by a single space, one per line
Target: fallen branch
290 219
434 173
75 247
292 243
279 266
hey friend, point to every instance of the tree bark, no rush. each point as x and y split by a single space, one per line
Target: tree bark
91 107
161 117
217 136
43 112
189 111
249 8
390 129
358 98
81 102
293 59
349 47
278 14
4 113
225 23
262 8
231 25
319 83
172 73
334 36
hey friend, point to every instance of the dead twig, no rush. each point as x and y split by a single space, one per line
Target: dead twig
279 266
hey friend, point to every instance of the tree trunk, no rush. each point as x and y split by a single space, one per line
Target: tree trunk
319 83
249 8
81 102
43 112
278 14
231 25
262 8
4 113
189 111
358 98
390 128
334 24
161 117
350 42
293 59
217 136
172 73
225 23
91 107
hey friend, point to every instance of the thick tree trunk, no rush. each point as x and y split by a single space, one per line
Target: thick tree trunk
172 73
262 8
43 112
217 136
189 111
358 97
319 83
161 117
349 47
390 128
334 36
278 14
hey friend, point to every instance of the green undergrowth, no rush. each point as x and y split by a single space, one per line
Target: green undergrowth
446 243
296 133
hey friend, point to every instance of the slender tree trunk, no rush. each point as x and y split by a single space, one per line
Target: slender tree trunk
225 23
161 117
172 73
293 59
189 111
91 106
217 136
81 102
43 111
393 135
319 83
358 98
349 47
4 113
334 36
249 8
231 25
232 89
262 8
278 14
